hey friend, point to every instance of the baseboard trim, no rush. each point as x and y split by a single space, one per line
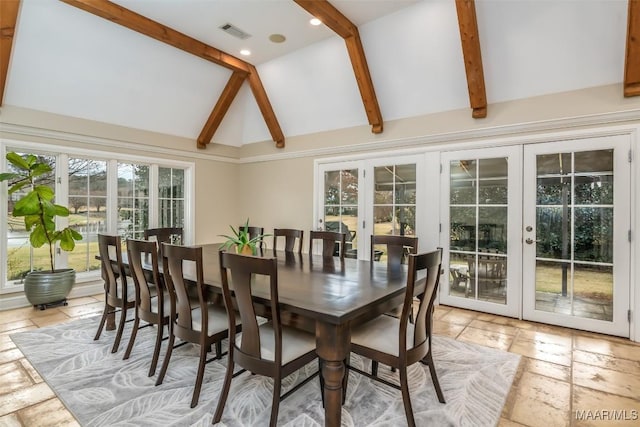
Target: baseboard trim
18 300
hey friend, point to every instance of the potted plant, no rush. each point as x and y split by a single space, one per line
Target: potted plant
39 211
241 241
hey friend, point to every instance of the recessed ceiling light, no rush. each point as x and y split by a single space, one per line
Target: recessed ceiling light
245 52
277 38
315 21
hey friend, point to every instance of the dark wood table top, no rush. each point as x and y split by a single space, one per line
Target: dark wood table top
332 292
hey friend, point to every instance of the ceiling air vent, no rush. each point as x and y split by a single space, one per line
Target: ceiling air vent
234 31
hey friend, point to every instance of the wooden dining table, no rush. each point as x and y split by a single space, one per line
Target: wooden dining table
326 295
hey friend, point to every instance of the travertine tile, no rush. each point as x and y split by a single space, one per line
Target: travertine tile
10 420
81 310
458 317
495 327
15 331
621 383
13 377
630 351
606 361
596 408
52 319
499 320
508 423
11 326
24 397
541 401
447 329
6 343
48 413
10 355
486 338
74 302
542 346
540 367
35 376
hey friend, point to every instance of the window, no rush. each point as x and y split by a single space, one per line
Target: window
104 195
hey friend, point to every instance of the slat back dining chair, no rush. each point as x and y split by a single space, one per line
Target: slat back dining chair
270 349
119 293
397 247
291 236
397 342
173 235
152 301
329 239
196 322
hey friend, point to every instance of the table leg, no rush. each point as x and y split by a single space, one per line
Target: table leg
332 345
111 321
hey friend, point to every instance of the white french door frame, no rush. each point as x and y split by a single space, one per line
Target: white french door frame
621 145
512 307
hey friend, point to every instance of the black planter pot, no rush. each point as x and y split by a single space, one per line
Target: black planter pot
44 288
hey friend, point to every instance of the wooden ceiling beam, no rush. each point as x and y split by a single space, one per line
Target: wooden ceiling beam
472 57
632 54
8 18
341 25
143 25
265 107
222 106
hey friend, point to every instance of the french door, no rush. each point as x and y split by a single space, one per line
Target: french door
480 229
576 228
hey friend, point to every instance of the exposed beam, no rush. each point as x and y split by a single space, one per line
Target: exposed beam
155 30
222 106
472 57
8 18
341 25
265 107
632 54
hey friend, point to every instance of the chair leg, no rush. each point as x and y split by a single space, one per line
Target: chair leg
224 393
123 319
434 378
275 405
132 338
105 313
406 399
345 379
199 375
167 357
156 350
374 368
218 349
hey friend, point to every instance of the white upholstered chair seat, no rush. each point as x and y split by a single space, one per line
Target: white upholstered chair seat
381 334
218 320
295 343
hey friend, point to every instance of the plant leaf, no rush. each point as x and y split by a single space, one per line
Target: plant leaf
30 221
38 237
18 161
27 205
67 242
40 169
45 192
5 176
61 210
19 185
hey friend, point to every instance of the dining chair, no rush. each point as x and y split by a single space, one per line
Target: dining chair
264 348
173 235
152 301
290 235
193 322
119 294
397 342
397 249
253 232
329 240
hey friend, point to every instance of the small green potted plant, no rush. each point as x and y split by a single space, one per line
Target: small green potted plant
241 241
39 211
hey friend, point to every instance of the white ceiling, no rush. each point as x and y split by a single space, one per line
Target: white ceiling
70 62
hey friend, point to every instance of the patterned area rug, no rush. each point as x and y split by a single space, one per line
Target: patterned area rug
101 389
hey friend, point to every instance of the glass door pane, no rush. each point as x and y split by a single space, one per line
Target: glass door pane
480 211
340 206
571 248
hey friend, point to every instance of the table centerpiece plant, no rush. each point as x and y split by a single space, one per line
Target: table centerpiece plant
241 240
39 211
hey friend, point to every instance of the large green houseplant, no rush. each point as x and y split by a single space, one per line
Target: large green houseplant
39 211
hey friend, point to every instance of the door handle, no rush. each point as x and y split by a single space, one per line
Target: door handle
530 241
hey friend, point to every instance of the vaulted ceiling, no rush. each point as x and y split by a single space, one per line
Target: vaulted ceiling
167 66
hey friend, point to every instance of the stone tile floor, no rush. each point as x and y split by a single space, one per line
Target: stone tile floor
565 378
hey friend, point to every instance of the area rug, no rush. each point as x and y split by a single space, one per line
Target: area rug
101 389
